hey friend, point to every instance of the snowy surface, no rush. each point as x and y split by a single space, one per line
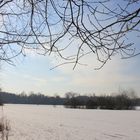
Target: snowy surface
38 122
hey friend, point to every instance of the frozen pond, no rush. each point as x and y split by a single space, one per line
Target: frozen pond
42 122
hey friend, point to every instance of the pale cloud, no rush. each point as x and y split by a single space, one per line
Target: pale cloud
107 79
36 76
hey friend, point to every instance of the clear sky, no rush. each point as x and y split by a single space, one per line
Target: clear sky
33 73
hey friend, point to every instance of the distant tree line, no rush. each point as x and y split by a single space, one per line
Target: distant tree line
117 102
122 101
1 98
32 98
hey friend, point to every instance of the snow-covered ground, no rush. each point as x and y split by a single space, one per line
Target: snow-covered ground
38 122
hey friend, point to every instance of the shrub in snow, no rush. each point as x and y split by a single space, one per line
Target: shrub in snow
4 129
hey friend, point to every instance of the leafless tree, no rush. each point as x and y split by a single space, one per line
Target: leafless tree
74 27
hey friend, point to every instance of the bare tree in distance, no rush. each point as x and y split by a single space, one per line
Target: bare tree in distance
80 27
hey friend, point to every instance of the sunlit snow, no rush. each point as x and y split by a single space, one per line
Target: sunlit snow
38 122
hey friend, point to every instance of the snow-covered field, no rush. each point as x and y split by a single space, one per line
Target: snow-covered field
38 122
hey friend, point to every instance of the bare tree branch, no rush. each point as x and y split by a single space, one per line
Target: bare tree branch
101 27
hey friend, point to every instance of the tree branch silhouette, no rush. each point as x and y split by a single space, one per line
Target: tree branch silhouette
100 27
